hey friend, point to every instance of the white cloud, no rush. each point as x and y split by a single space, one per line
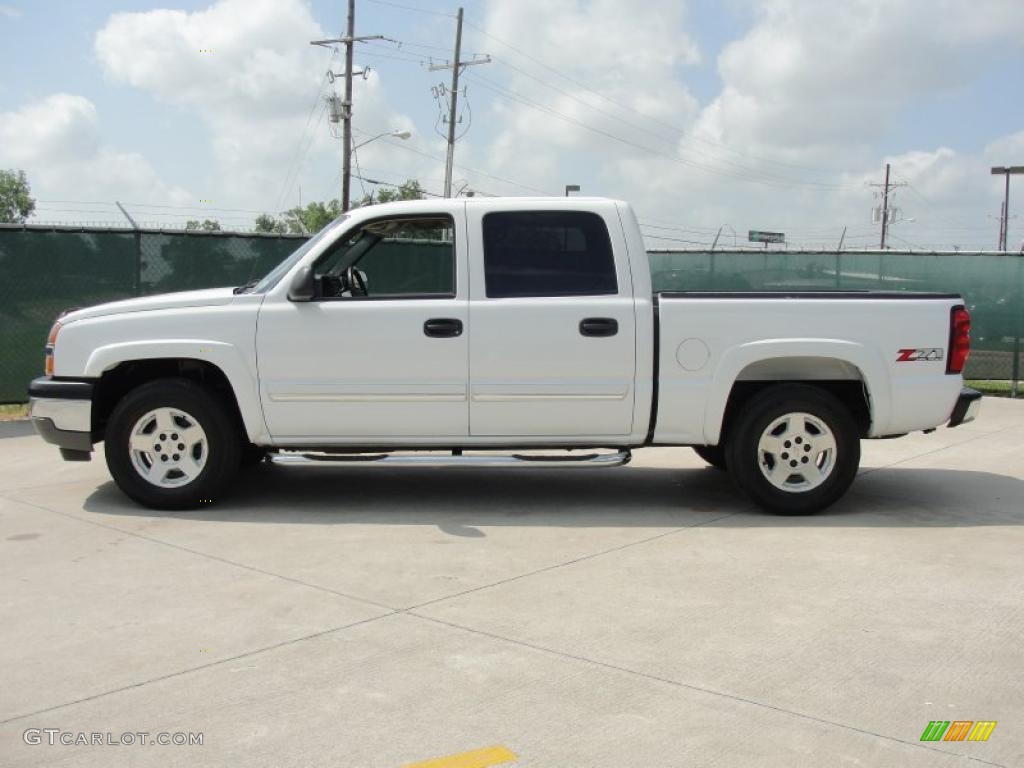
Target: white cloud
808 94
57 142
10 11
834 74
247 70
629 57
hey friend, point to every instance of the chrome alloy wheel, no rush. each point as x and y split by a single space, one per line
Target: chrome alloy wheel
796 452
168 448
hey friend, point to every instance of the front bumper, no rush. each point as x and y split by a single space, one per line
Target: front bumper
61 412
966 408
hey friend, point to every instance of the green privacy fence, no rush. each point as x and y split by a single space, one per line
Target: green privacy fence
991 284
44 270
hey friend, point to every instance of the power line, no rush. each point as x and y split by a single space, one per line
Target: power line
673 141
675 128
349 41
456 65
392 57
525 101
404 146
286 186
411 8
886 186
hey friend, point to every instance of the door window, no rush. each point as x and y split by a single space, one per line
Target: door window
547 253
392 258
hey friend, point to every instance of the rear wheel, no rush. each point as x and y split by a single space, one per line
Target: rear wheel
712 454
170 444
794 449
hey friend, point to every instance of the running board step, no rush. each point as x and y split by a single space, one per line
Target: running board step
617 459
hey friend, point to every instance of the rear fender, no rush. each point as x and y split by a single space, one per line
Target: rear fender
868 363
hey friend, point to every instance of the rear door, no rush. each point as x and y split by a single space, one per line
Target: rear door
552 324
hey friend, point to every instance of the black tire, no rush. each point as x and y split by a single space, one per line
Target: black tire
745 460
222 449
713 455
253 455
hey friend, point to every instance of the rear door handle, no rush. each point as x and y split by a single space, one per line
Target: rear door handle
442 327
599 326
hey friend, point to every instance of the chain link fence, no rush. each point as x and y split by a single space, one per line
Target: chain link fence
45 270
991 284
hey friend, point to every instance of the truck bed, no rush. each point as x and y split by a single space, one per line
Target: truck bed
702 346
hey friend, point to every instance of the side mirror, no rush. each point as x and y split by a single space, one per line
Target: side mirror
303 286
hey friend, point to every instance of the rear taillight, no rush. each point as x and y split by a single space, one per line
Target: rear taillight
959 339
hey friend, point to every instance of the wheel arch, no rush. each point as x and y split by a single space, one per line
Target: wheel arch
121 368
849 371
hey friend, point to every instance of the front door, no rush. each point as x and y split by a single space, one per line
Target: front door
381 352
552 324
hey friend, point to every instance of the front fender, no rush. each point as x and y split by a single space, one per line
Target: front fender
224 356
733 362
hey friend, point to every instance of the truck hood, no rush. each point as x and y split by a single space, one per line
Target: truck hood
208 297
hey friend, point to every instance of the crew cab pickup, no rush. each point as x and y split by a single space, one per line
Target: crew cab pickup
497 332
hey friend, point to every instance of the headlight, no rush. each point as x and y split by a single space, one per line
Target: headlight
51 342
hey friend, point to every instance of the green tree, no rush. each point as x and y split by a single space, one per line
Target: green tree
207 225
317 215
16 202
267 223
313 217
410 190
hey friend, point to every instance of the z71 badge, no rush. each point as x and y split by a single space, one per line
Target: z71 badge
919 355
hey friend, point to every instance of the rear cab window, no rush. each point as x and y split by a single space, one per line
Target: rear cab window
547 253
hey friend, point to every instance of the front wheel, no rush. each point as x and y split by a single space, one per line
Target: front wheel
794 449
712 454
171 444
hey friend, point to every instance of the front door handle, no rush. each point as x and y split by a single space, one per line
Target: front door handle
599 326
442 327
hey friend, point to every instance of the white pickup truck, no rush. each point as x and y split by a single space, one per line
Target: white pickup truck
495 332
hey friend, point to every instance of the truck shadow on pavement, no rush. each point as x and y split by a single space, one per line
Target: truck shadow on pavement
458 499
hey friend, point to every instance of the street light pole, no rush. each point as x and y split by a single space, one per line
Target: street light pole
403 135
1004 216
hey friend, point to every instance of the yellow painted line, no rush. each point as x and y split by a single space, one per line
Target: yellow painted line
478 758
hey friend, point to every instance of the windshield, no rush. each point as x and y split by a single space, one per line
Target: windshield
274 276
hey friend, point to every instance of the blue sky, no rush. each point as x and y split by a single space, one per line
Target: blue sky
744 113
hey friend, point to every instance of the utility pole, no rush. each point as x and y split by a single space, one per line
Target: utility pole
346 106
349 41
885 202
1004 215
718 234
885 205
455 66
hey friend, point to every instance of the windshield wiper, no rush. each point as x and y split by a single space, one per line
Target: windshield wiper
247 286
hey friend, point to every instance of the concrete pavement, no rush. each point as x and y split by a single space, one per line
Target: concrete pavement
643 616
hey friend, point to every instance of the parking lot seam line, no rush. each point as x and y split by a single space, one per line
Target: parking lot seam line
575 560
698 689
207 555
201 667
937 450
